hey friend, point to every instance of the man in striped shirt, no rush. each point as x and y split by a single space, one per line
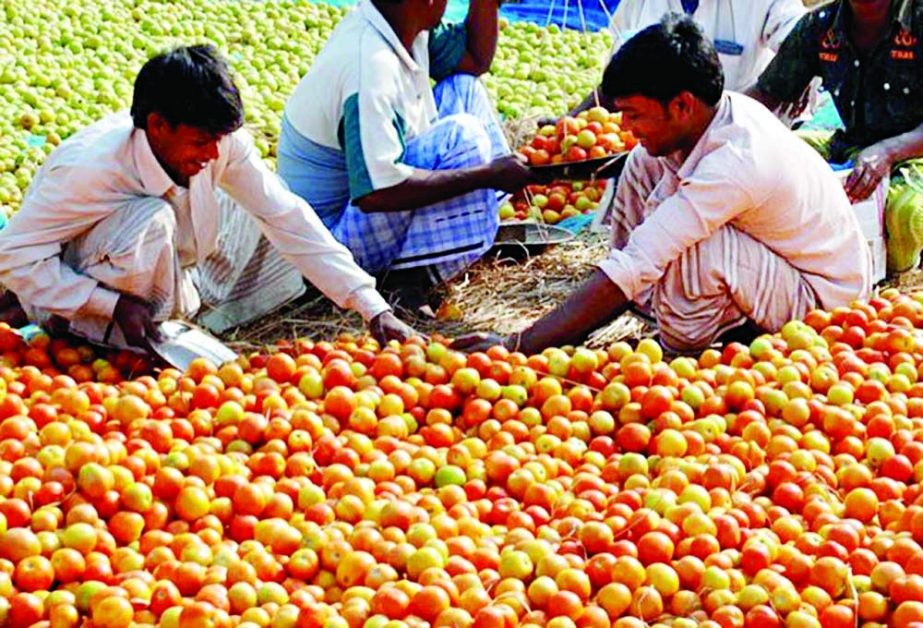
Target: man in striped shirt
722 217
169 212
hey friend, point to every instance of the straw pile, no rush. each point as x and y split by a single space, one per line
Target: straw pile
504 295
520 131
499 294
910 281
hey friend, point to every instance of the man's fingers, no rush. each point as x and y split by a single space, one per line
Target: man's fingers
474 342
862 192
800 104
866 185
853 179
136 337
464 342
153 331
859 181
399 332
411 333
858 193
132 330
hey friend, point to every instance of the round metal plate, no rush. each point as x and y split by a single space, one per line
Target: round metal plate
531 234
183 342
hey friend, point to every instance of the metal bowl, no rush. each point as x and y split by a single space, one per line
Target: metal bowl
519 240
183 342
527 233
599 168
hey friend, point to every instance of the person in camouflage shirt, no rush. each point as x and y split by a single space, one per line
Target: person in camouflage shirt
869 55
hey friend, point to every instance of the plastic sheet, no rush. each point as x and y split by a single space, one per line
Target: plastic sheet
564 13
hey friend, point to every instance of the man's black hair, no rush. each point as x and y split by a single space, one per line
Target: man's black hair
189 85
664 60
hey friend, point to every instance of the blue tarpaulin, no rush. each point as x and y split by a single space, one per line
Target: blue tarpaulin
595 13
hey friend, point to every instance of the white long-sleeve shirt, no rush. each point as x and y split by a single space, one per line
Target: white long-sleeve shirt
97 170
750 172
748 33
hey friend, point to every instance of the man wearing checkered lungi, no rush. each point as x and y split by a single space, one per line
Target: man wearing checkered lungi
403 173
722 217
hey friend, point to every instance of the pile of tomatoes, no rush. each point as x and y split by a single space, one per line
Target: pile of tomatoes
344 484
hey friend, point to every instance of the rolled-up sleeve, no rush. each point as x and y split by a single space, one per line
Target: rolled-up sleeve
57 210
705 201
293 227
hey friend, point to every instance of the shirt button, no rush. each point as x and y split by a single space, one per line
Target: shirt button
887 86
906 90
822 14
836 92
852 103
856 63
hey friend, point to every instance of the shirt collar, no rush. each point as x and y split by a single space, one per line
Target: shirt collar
901 14
374 17
154 178
722 111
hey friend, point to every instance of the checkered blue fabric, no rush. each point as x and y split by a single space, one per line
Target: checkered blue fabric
450 235
463 93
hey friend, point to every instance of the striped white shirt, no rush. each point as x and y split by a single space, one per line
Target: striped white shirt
750 172
95 171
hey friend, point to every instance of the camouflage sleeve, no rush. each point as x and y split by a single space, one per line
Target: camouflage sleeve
789 73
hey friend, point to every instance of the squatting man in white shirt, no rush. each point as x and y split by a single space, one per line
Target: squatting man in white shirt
167 212
722 216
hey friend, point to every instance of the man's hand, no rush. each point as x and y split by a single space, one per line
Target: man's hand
133 317
872 165
11 311
510 173
480 341
386 326
793 110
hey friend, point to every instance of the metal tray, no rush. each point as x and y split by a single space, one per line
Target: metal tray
531 234
183 342
600 168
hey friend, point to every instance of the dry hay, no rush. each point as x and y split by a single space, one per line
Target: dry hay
910 281
506 295
499 294
520 131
